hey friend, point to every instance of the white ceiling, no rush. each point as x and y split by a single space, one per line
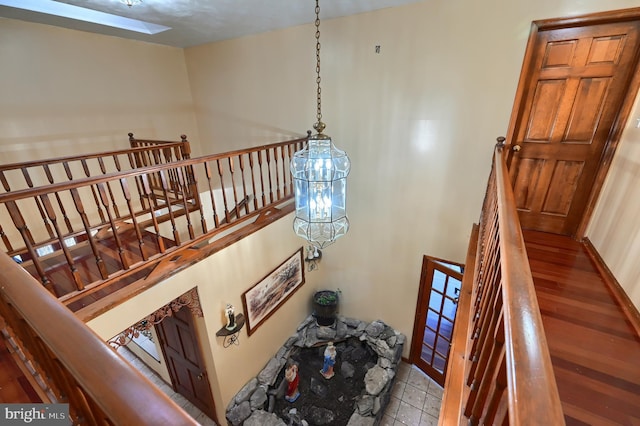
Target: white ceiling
196 22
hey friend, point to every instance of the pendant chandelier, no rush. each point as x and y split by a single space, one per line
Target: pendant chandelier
320 177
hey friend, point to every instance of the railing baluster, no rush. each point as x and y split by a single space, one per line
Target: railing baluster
7 243
102 189
21 226
183 193
87 229
67 255
244 184
268 153
209 175
156 227
253 181
264 201
232 170
65 217
127 196
227 218
165 191
5 182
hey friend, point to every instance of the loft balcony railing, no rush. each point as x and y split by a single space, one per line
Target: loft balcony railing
30 174
499 368
72 363
88 236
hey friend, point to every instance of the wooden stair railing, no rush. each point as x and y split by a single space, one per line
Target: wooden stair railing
500 369
144 223
80 369
34 173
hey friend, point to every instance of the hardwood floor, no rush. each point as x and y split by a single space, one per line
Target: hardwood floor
595 351
56 268
14 386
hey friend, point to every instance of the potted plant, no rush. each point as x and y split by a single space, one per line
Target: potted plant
325 307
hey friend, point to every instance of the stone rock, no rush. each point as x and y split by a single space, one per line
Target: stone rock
386 333
246 391
375 380
351 322
262 418
341 331
364 405
391 341
347 369
384 362
375 328
358 420
239 413
306 322
258 398
326 333
320 416
310 337
269 373
318 388
376 406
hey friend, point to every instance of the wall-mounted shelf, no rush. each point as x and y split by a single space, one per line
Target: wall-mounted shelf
231 335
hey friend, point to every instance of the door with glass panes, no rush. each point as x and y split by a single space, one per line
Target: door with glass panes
440 283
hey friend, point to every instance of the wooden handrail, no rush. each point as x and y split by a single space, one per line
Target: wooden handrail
507 373
235 188
43 168
99 385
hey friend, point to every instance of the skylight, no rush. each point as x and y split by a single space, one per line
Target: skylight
87 15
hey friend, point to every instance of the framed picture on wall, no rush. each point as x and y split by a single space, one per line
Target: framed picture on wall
264 298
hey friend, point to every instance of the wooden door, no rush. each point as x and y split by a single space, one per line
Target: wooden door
177 336
435 316
575 83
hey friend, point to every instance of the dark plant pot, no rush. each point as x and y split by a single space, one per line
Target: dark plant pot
325 307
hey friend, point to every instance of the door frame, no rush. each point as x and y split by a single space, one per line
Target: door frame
422 307
200 355
624 112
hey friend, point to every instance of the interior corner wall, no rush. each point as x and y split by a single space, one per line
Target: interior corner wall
220 279
419 121
614 229
67 92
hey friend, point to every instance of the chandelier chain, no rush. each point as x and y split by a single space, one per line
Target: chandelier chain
319 91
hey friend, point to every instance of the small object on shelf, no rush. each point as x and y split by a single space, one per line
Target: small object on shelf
231 335
231 318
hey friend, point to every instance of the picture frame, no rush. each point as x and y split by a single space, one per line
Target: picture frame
272 291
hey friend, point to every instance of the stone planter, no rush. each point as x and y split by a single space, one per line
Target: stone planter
325 307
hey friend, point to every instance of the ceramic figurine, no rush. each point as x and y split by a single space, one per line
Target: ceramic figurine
231 317
329 361
291 375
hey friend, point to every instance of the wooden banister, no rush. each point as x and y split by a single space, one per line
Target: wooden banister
99 385
39 172
159 201
504 371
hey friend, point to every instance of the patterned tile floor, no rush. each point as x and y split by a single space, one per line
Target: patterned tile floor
415 400
194 412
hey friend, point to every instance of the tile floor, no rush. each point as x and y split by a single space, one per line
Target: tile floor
191 409
415 399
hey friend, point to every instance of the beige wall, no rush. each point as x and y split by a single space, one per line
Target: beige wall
418 120
615 226
65 92
222 279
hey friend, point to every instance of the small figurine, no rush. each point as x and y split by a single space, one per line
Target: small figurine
329 361
291 375
231 317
